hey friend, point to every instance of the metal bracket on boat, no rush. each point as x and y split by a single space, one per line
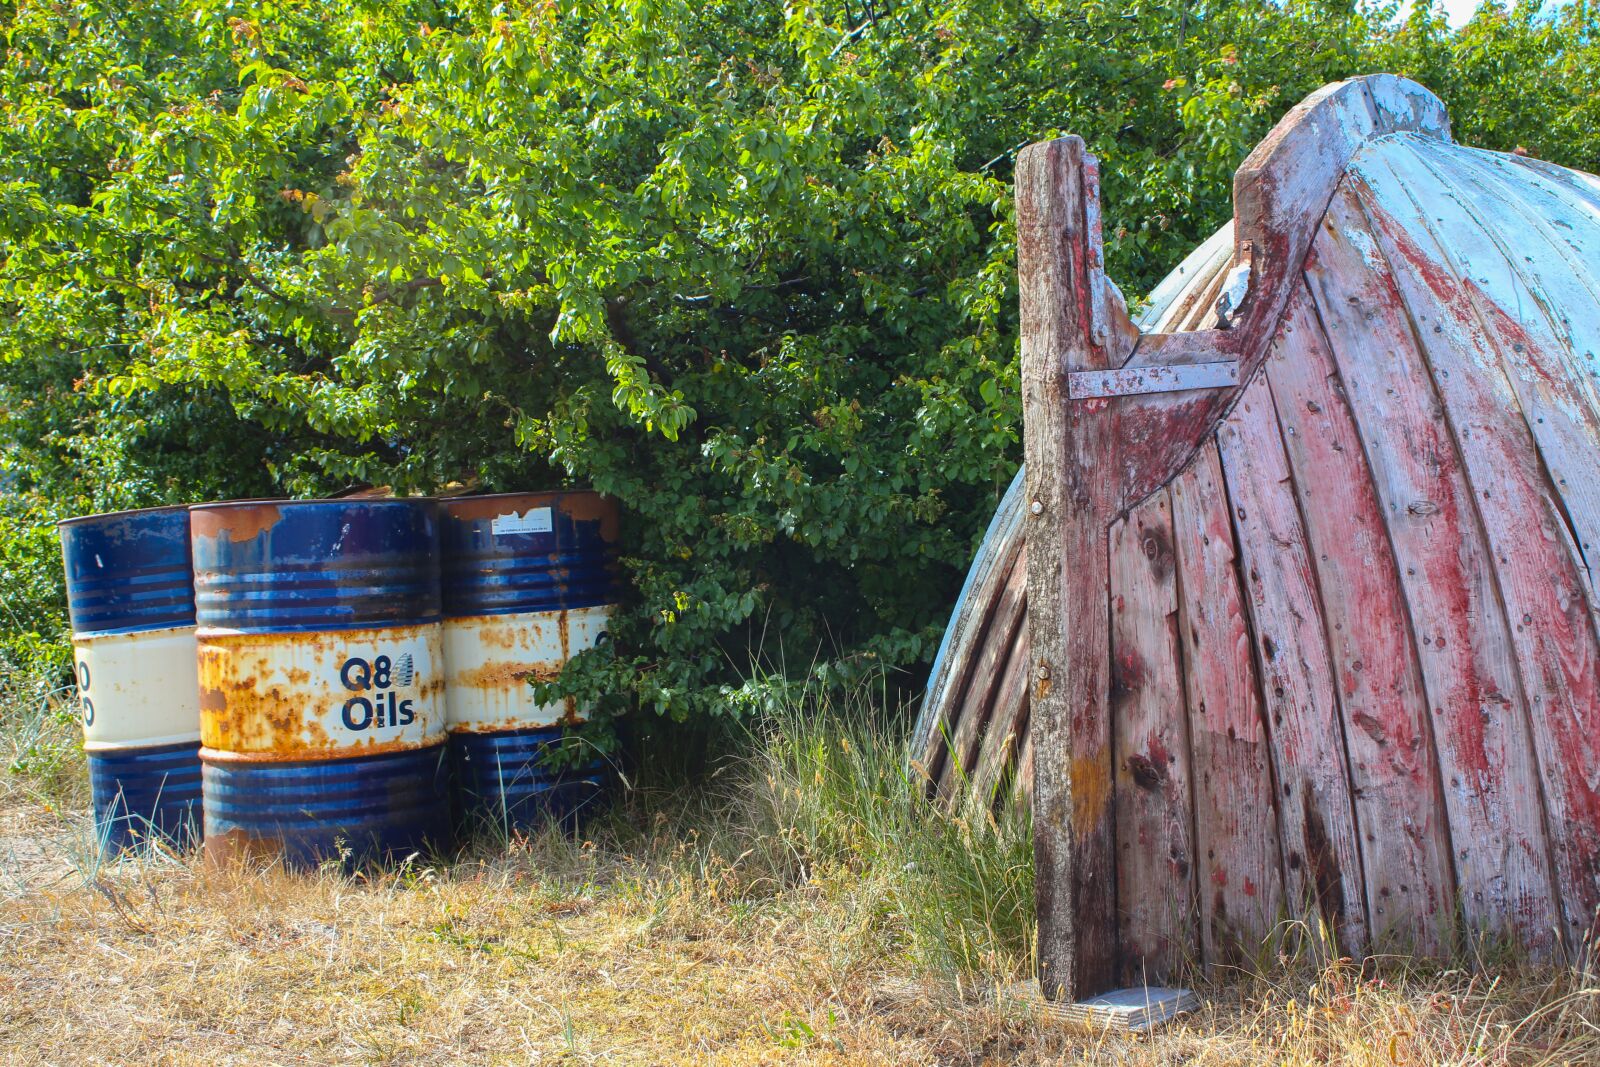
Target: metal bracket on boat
1131 381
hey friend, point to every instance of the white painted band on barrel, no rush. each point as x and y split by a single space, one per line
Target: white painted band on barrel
321 695
137 690
493 658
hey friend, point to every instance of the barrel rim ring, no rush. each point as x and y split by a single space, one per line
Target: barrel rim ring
123 514
243 762
341 501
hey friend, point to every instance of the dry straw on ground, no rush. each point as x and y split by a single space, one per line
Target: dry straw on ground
674 935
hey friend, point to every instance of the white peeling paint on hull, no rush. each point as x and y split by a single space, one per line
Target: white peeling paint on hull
494 658
321 695
137 690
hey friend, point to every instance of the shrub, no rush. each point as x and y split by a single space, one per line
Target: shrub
747 267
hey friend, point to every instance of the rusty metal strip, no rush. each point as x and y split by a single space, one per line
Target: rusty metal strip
1131 381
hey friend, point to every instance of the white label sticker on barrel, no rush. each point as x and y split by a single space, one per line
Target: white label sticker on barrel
534 520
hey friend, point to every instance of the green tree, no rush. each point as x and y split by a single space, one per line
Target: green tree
749 267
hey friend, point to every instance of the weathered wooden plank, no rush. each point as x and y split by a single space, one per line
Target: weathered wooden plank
1536 564
965 636
1067 579
1009 721
1534 270
987 679
1022 784
1198 315
1238 872
1151 790
1322 862
1179 289
1581 186
1446 573
1394 777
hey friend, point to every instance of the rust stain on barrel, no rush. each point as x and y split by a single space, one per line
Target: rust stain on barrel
505 675
236 522
243 718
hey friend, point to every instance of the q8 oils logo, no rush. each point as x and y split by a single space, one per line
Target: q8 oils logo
376 684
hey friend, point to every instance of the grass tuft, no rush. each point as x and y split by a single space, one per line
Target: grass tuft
953 891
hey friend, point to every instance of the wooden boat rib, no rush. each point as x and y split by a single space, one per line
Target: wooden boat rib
1310 590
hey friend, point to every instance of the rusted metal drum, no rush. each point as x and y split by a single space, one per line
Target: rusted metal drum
130 595
529 581
321 678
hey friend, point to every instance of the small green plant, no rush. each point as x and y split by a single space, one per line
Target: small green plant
41 753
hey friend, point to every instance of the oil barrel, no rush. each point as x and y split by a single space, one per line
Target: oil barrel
529 580
321 679
130 595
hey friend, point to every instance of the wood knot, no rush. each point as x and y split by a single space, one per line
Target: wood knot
1147 774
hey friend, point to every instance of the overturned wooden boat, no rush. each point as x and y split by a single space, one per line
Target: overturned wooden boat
1310 593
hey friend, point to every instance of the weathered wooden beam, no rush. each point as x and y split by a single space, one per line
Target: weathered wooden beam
1090 384
1067 488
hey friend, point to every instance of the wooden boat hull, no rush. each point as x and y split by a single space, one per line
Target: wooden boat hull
1310 597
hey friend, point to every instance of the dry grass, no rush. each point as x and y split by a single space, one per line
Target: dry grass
727 931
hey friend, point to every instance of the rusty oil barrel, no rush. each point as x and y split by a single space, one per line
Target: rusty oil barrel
529 580
321 679
130 595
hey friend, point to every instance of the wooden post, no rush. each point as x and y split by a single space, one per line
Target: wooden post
1068 574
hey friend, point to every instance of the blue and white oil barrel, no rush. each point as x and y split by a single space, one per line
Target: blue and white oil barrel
321 679
130 595
529 580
